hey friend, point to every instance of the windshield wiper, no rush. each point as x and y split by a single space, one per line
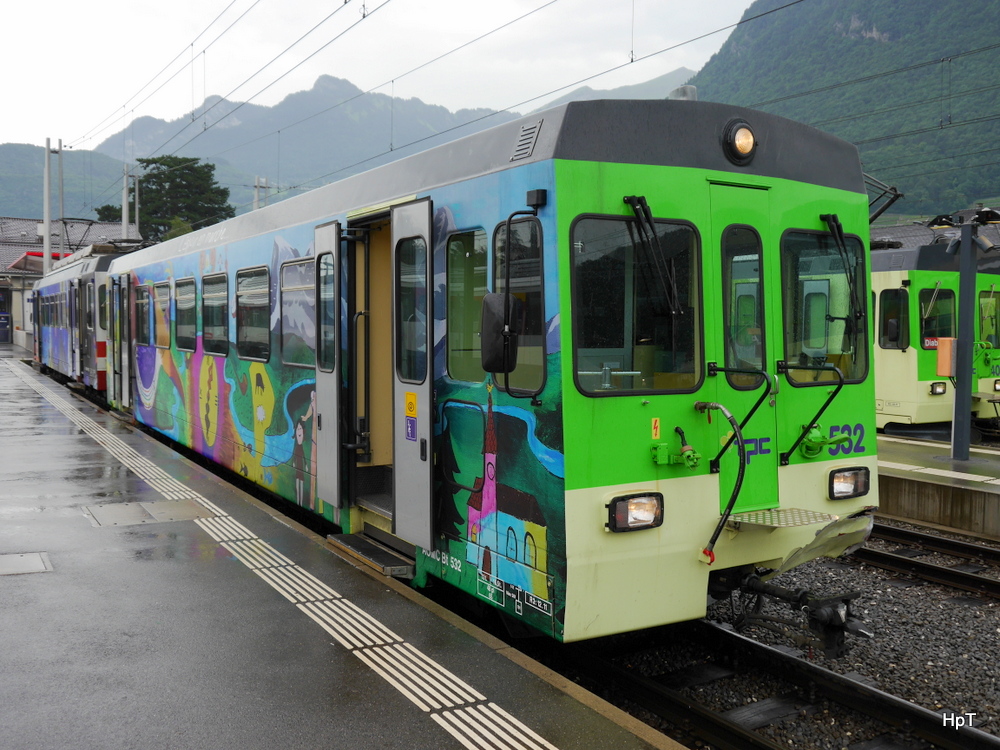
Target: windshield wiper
856 314
650 240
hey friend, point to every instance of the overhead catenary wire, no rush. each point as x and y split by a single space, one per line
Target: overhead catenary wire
398 77
367 14
344 102
632 58
508 108
102 125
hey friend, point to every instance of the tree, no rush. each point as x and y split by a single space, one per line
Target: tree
175 192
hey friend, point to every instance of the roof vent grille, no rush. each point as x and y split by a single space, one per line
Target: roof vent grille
526 141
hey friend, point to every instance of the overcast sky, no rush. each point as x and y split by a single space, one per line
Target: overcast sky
82 71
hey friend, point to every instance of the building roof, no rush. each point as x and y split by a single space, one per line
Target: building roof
937 231
23 238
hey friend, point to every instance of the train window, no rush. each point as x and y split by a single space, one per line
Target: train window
186 314
893 319
215 314
253 313
326 351
142 331
411 310
89 305
743 305
102 306
636 307
526 283
466 288
161 314
989 318
298 313
824 299
937 316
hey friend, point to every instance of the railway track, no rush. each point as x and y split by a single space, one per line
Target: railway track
734 729
962 577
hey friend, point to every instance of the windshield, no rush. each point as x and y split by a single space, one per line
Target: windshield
626 336
822 327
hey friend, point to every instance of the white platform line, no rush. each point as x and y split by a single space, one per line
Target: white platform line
504 722
279 585
443 675
389 678
311 583
432 679
460 731
427 684
328 618
399 679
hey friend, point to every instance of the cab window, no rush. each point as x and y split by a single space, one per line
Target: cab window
824 301
636 307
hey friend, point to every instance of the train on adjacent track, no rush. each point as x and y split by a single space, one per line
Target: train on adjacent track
916 298
590 366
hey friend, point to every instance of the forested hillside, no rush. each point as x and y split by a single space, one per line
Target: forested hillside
913 83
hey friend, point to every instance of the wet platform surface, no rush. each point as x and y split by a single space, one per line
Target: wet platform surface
144 603
931 462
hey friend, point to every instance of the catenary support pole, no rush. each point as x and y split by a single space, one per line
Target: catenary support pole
961 423
47 210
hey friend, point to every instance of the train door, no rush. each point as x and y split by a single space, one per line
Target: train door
124 335
114 342
88 363
73 324
328 377
36 325
413 380
749 337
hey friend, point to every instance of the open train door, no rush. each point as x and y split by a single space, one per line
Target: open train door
326 243
413 381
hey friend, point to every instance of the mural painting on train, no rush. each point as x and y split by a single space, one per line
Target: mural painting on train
500 464
254 417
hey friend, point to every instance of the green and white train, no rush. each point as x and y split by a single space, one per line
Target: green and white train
916 296
591 366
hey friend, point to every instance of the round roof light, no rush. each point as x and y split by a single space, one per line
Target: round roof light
743 140
739 142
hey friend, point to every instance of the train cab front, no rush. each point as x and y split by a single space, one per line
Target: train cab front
718 399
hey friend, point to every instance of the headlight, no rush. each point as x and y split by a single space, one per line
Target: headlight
739 142
938 389
996 385
634 512
852 482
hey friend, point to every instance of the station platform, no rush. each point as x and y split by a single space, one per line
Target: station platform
920 481
145 603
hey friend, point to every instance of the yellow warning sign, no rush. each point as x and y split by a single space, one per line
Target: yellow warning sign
656 428
411 404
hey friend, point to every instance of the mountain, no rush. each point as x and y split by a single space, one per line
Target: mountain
658 88
913 84
330 131
90 179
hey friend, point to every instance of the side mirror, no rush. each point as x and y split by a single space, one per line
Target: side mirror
499 348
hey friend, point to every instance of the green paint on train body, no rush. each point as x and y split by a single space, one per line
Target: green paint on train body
626 390
609 434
